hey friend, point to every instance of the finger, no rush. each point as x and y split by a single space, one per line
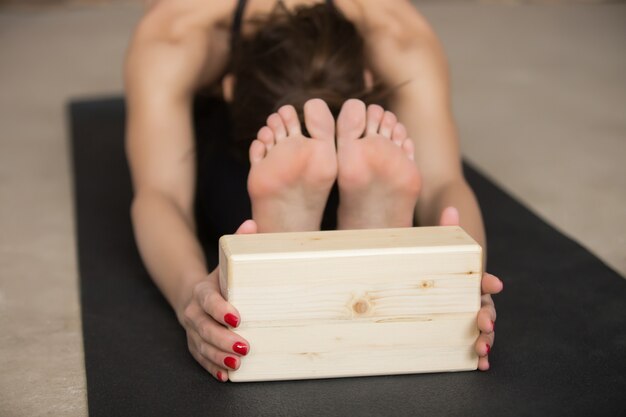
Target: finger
210 299
210 356
219 373
247 227
486 319
487 302
484 344
490 284
449 217
218 357
483 363
220 337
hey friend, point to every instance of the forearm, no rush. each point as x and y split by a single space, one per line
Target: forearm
177 47
423 106
168 246
458 194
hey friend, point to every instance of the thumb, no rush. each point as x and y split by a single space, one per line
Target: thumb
247 227
449 217
220 309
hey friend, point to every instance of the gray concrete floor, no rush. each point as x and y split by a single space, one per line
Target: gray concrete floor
540 98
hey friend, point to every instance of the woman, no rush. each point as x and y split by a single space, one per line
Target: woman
289 74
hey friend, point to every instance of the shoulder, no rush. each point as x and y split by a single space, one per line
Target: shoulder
397 19
171 20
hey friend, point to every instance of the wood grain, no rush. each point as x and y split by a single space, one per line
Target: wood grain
350 303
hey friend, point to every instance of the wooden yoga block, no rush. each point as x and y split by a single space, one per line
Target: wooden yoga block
353 303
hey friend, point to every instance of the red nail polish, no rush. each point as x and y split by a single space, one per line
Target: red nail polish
231 319
219 376
230 362
488 348
240 348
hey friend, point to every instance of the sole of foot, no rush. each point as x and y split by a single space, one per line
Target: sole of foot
290 174
377 177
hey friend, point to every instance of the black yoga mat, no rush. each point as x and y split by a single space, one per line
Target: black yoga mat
561 330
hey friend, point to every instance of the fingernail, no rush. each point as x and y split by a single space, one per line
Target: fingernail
231 319
219 376
230 362
240 348
488 348
493 326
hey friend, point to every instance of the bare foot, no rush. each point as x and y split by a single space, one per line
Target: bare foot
291 175
378 179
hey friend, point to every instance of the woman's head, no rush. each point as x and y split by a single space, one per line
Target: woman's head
312 52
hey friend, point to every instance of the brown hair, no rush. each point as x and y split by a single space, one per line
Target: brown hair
312 52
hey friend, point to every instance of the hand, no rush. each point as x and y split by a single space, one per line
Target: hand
490 284
204 318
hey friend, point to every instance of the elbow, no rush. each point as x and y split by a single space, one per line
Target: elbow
154 202
143 200
136 207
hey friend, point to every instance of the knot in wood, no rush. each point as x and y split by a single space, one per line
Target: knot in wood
427 284
361 306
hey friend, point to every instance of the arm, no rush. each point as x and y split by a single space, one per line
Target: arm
173 51
404 50
425 107
160 77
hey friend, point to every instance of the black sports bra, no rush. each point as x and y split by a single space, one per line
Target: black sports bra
237 19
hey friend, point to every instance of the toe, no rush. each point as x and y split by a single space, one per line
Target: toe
388 124
374 117
266 135
257 151
290 119
275 122
319 120
351 121
409 149
398 135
